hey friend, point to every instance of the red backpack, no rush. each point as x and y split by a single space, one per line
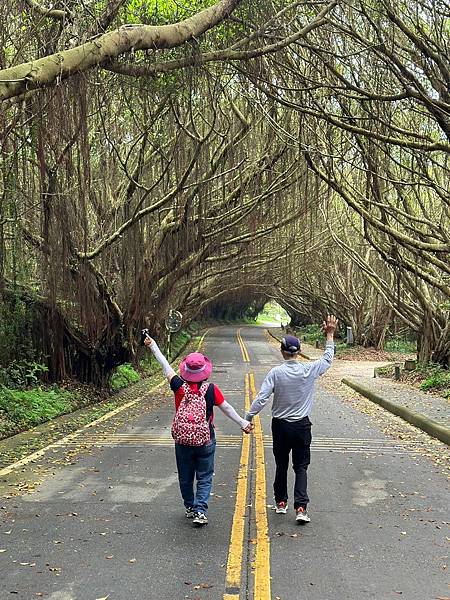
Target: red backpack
189 426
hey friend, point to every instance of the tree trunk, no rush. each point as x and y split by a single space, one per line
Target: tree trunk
441 353
427 340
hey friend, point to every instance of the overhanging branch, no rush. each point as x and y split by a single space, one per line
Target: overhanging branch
50 69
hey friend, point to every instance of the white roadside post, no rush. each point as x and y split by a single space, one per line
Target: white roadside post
350 339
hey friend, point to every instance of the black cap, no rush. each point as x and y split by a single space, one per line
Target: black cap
290 344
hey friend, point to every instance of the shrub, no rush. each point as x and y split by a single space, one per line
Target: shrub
437 379
179 342
148 364
123 376
19 374
310 333
396 344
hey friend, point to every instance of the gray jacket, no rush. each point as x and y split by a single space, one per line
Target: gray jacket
292 386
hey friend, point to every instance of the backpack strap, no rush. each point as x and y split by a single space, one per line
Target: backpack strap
208 396
210 402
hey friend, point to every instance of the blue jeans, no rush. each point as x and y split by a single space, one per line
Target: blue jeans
195 462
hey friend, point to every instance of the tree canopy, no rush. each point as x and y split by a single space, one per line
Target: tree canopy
202 155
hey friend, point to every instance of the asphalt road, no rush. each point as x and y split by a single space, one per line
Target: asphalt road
107 521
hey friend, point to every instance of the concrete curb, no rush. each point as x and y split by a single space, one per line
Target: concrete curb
430 426
279 340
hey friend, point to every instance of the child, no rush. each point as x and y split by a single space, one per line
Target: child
193 429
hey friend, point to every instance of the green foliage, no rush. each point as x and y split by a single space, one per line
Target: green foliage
123 376
179 342
15 340
20 374
161 12
341 347
148 364
310 333
396 344
26 408
437 379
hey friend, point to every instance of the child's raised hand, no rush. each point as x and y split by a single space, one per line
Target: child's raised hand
148 341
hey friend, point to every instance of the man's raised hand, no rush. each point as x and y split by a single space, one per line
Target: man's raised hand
329 326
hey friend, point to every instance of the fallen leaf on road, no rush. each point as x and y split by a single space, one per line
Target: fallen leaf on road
132 560
103 598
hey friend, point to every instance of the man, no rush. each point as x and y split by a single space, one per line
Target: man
292 386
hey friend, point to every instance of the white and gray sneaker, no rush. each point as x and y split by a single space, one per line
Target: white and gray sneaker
302 515
190 513
200 519
281 507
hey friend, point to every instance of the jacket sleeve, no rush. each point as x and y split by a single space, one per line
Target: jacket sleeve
318 367
264 394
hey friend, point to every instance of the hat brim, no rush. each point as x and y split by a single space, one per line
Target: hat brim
188 375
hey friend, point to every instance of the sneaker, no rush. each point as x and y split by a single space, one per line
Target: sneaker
281 507
302 515
190 513
200 519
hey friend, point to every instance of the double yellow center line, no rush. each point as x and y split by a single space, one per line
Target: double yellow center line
236 548
261 558
245 356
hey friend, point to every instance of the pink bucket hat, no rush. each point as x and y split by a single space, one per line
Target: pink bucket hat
195 367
